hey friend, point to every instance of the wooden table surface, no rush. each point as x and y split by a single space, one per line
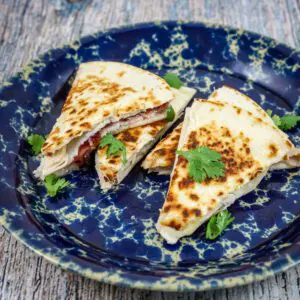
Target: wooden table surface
30 27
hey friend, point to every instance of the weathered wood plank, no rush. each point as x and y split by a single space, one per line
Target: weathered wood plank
30 27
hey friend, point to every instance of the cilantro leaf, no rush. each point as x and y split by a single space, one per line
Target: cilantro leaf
54 184
173 80
212 230
284 123
217 224
215 169
288 122
275 118
114 146
36 141
193 170
224 219
203 163
269 112
170 114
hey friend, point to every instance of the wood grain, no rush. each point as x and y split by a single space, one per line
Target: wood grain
30 27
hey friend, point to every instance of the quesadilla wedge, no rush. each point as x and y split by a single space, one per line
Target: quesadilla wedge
138 141
105 97
161 158
248 145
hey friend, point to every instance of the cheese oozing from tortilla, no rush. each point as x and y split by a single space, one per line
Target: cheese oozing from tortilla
249 146
138 141
161 158
105 97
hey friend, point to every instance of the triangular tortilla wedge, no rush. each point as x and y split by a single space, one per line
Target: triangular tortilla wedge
249 146
105 97
138 141
161 158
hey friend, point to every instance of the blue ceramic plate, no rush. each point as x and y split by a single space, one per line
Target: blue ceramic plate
111 236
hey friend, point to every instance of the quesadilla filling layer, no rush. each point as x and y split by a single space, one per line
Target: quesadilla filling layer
78 152
91 144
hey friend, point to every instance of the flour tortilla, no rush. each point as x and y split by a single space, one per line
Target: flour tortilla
105 97
249 146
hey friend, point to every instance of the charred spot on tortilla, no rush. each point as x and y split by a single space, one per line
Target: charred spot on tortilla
128 136
186 183
167 208
194 197
273 150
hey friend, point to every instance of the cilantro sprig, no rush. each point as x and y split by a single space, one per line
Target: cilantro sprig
114 146
217 224
36 141
170 114
54 184
173 80
203 163
284 123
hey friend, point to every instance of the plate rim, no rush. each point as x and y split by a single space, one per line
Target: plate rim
193 287
195 284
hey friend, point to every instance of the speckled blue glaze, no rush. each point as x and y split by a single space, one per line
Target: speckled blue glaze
111 236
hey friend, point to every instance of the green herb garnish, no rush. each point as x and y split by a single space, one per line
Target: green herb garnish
170 114
114 146
284 123
203 163
173 80
36 141
217 224
54 184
